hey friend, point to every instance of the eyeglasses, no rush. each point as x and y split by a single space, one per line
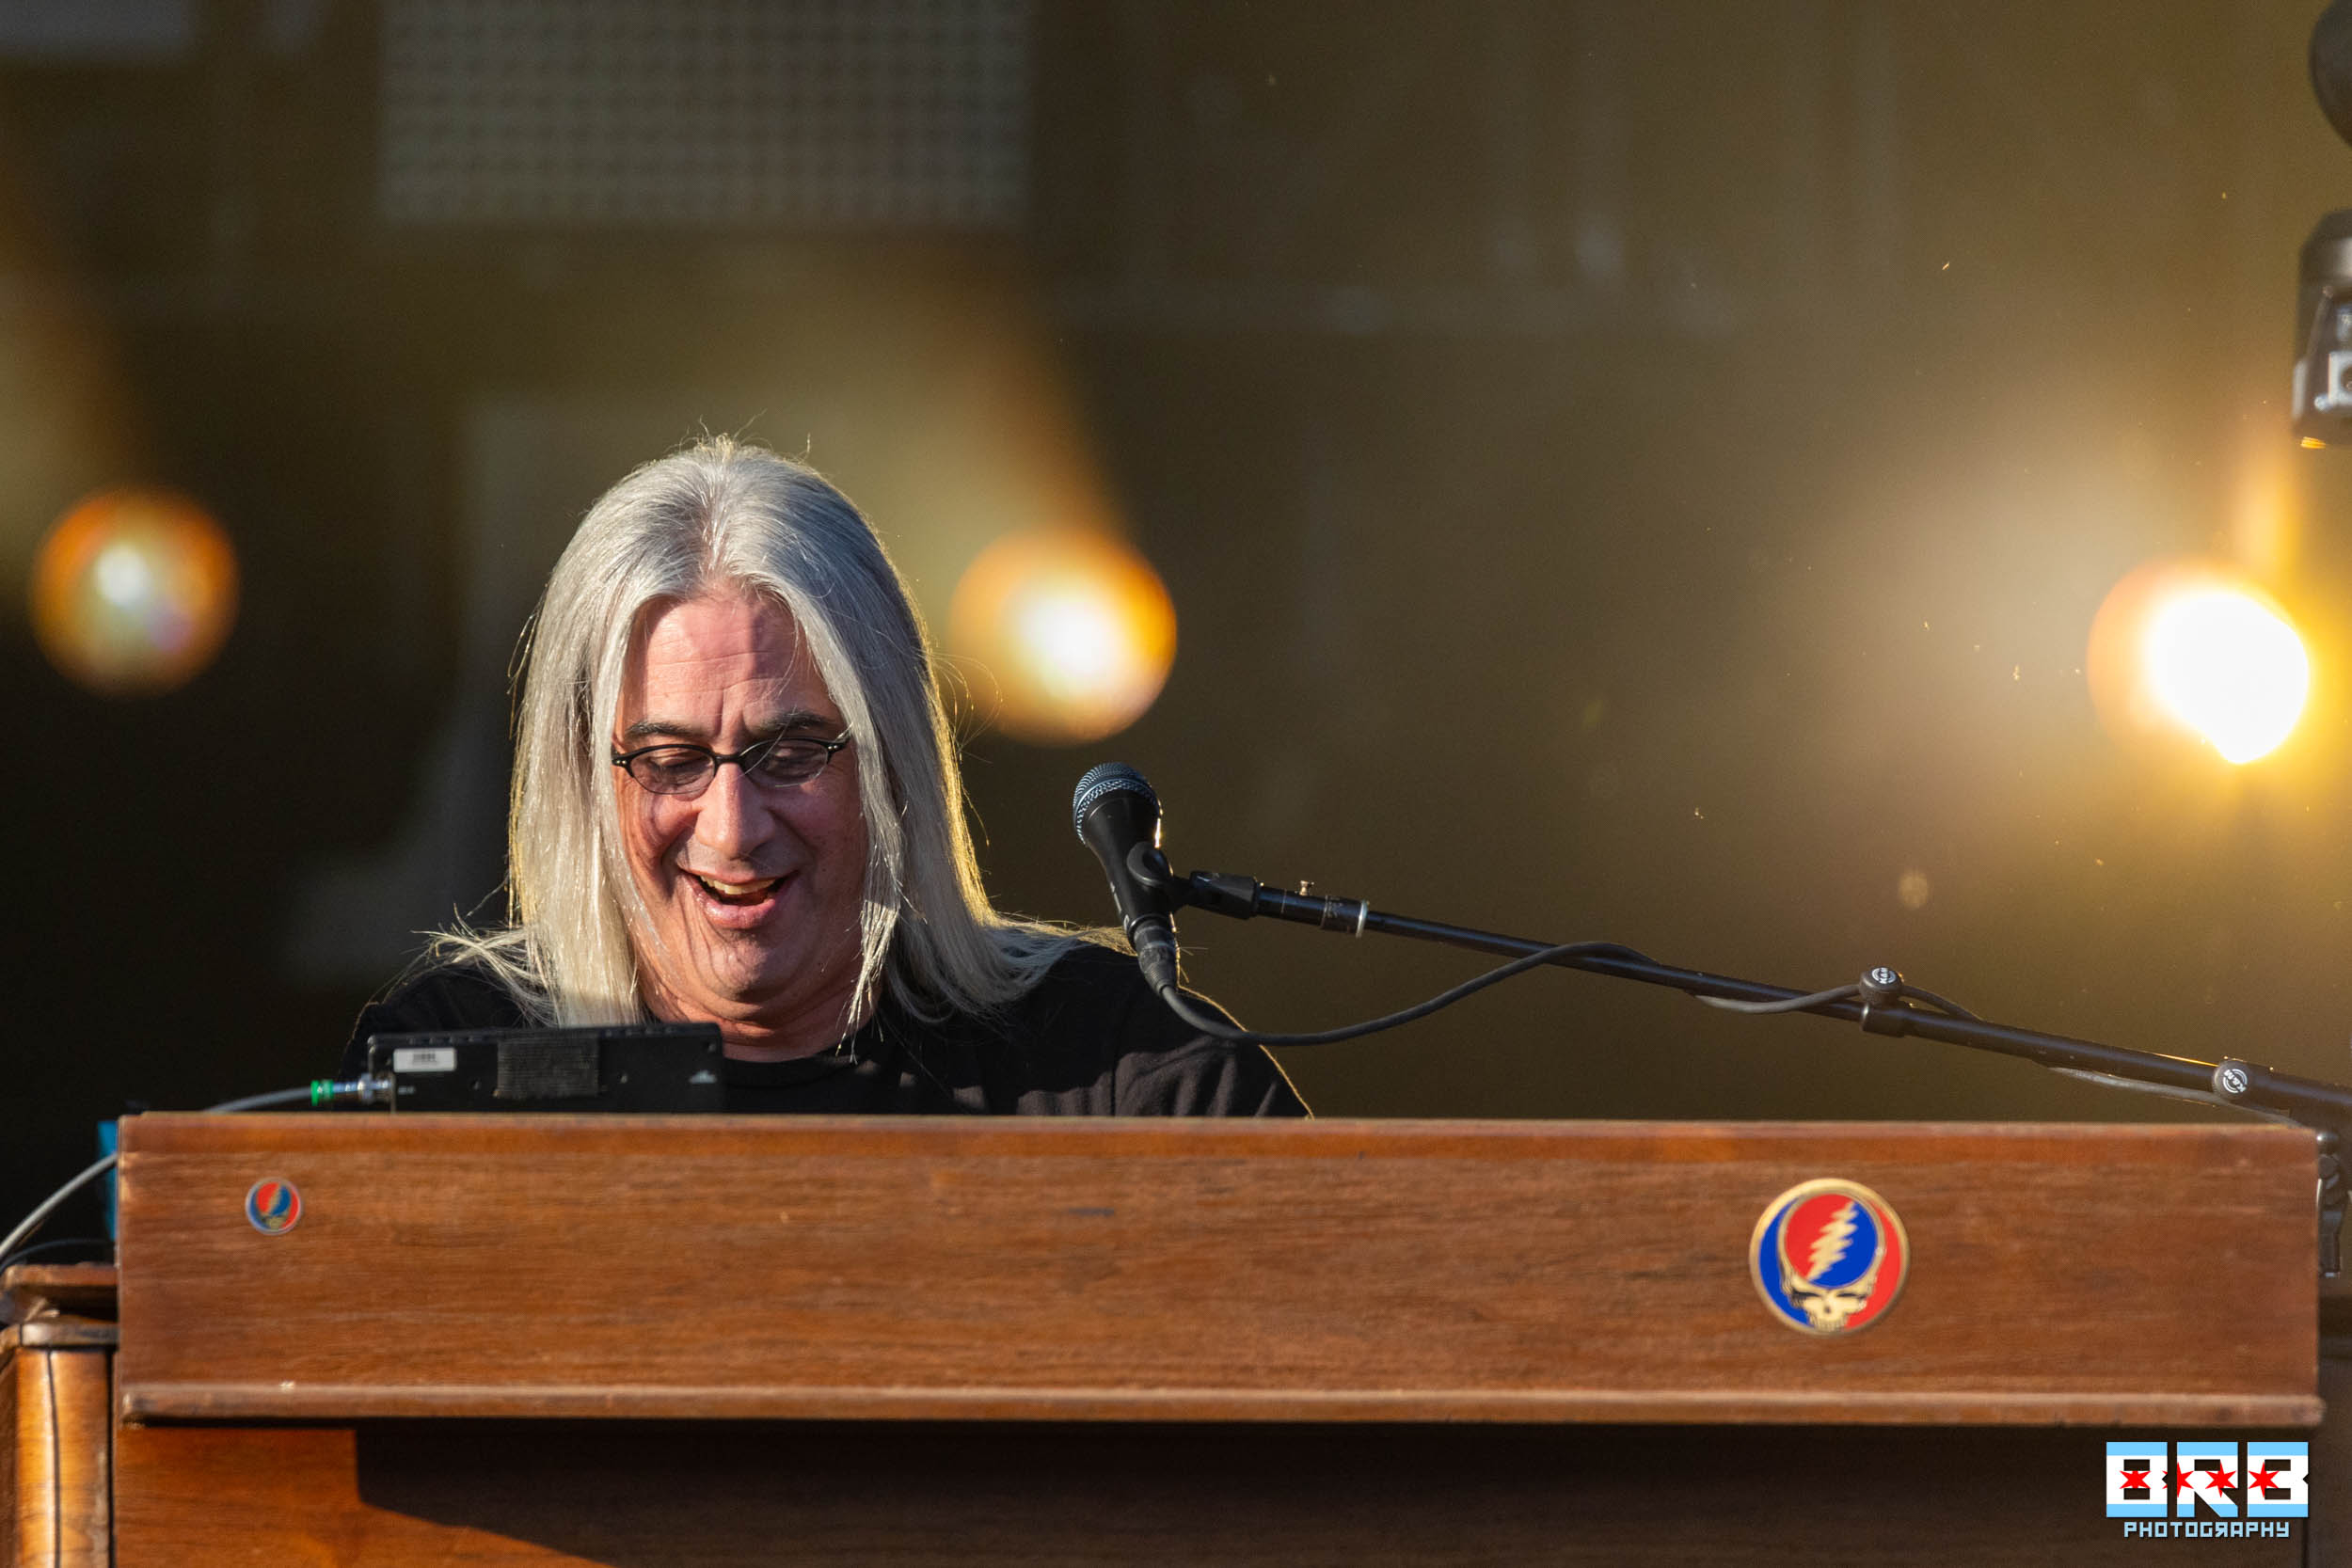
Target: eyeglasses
676 768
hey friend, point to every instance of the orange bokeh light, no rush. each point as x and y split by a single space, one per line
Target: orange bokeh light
2194 650
1072 632
133 592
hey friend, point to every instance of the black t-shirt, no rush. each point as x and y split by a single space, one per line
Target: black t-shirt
1086 1040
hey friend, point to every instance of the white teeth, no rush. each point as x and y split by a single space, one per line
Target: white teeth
736 890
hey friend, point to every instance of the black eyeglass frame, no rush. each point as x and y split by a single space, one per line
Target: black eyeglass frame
749 759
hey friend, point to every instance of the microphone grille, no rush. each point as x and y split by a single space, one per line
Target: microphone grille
1107 778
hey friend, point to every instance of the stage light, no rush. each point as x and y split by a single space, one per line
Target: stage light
133 592
2192 648
2229 667
1070 633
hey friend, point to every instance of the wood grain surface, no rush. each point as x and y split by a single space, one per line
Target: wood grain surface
30 1290
55 1478
1042 1495
1167 1271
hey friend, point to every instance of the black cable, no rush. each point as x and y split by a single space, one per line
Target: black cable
1949 1009
308 1094
95 1243
1786 1004
1835 993
50 1205
1216 1028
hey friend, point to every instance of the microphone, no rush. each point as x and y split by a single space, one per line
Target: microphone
1118 818
2322 305
2330 61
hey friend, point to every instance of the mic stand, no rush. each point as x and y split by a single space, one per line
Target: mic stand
1877 1004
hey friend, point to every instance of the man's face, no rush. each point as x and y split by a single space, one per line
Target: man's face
753 891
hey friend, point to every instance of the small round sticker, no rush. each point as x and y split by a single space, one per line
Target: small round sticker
1829 1256
273 1205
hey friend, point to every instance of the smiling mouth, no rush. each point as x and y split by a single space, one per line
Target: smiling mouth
737 893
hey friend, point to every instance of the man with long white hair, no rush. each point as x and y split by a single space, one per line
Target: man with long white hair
736 801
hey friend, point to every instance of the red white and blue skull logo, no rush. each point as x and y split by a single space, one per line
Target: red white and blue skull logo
1829 1256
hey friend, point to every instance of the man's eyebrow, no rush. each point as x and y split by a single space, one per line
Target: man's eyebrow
799 721
645 729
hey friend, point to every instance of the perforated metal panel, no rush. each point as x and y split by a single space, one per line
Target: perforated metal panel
864 114
548 1066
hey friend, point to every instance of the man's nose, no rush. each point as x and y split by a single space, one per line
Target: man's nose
732 815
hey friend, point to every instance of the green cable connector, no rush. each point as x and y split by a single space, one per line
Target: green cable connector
362 1091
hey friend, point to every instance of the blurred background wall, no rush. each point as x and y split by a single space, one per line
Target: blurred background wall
1642 471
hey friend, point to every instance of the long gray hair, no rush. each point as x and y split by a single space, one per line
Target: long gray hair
714 514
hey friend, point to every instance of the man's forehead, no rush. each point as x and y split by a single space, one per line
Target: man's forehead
715 624
718 658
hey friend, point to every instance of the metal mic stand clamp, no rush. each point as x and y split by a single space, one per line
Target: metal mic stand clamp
2323 1109
2250 1084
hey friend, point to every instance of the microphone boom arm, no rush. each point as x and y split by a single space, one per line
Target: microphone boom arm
1878 1003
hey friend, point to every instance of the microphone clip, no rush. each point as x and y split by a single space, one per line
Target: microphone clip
1148 866
1246 898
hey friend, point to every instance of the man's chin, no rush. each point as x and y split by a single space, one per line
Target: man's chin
765 1015
729 995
